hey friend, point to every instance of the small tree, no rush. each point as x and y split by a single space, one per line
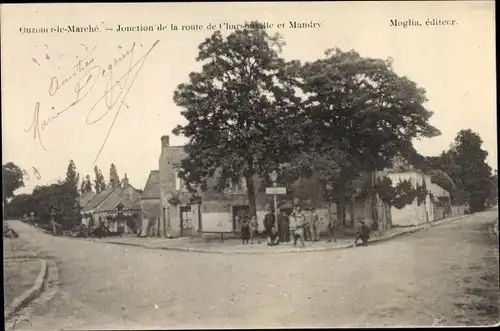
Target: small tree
68 199
86 185
100 183
399 196
114 180
421 193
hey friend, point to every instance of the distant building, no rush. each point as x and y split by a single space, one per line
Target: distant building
106 207
436 205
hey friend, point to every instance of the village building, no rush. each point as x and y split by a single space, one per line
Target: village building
119 208
435 206
151 206
85 198
170 210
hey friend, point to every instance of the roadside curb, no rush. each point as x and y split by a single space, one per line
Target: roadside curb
29 295
32 293
292 250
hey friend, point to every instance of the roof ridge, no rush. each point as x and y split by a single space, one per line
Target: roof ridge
107 198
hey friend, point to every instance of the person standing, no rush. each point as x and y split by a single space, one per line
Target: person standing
307 226
245 231
292 225
315 222
333 228
268 222
299 220
283 227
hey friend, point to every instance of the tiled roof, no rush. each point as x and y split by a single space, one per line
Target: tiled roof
121 195
86 197
152 188
98 199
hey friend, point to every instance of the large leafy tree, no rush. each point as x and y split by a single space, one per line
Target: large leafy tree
360 115
241 111
472 172
114 180
99 181
20 205
464 164
12 179
51 198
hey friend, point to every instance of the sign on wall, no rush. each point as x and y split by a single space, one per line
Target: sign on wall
217 221
212 223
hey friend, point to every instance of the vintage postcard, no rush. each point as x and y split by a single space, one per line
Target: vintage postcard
249 165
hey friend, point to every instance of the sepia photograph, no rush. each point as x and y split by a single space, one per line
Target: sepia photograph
210 165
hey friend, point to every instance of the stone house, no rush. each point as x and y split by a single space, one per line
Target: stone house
112 204
169 210
436 205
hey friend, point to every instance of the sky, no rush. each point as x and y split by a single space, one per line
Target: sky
46 70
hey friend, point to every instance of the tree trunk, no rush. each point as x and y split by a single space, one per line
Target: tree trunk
251 196
388 213
341 208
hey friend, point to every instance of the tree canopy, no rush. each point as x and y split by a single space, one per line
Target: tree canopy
240 108
12 179
114 180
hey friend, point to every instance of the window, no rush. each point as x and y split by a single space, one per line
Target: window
240 187
186 217
180 184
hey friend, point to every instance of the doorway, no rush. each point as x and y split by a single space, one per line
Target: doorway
186 225
241 212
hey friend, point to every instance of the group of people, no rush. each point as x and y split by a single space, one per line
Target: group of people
299 226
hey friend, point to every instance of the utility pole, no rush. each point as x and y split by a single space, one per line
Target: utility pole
274 178
275 190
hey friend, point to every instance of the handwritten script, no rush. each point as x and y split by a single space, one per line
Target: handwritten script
110 86
35 173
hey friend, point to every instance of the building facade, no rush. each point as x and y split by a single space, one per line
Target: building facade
437 203
170 210
118 208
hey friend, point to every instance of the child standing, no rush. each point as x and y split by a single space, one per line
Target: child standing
245 231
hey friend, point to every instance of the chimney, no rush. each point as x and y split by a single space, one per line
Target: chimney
125 181
165 141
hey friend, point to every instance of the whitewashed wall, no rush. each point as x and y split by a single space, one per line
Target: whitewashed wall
217 222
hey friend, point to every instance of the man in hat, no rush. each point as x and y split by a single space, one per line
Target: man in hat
363 233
